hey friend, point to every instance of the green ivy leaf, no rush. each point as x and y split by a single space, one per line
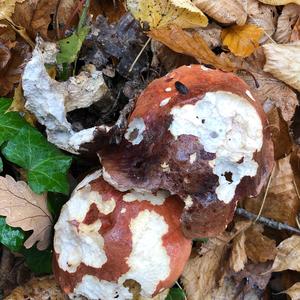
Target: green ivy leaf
10 122
70 46
39 262
12 238
46 165
176 294
1 165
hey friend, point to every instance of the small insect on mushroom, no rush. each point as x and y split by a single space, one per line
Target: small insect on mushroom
105 240
212 135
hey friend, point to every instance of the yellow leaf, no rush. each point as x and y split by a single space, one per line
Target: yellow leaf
190 43
279 2
7 8
294 291
242 40
27 210
160 13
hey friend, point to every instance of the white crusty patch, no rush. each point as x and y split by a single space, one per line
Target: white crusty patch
93 288
165 167
155 199
193 158
228 126
165 101
149 262
168 89
248 93
74 241
137 127
188 202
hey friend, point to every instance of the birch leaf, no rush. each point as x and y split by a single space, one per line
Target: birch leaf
27 210
242 40
161 13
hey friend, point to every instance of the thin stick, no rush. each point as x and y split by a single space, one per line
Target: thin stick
268 222
139 55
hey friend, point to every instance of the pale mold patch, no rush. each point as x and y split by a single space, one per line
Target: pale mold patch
188 202
155 199
93 288
193 158
165 167
165 101
135 130
232 130
248 93
123 210
168 89
148 229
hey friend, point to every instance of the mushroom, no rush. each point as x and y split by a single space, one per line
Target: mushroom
105 239
198 133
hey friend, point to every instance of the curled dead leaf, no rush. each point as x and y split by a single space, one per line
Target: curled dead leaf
223 11
279 2
27 210
191 43
294 291
283 62
295 36
242 40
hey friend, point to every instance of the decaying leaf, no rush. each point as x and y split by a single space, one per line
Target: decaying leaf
294 291
295 36
223 11
242 40
283 62
258 247
288 255
158 14
279 2
191 43
211 35
27 210
288 18
7 8
282 203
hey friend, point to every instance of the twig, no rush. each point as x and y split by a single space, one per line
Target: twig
139 55
263 220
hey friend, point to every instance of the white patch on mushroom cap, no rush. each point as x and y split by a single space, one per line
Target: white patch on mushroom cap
248 93
204 68
93 288
168 89
188 202
75 242
165 167
165 101
227 125
155 199
149 262
137 127
193 158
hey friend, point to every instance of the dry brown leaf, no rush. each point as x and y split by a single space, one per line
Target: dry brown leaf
191 43
5 55
259 248
161 13
294 291
295 36
283 62
282 203
211 35
27 210
223 11
288 18
7 8
242 40
38 289
279 2
288 255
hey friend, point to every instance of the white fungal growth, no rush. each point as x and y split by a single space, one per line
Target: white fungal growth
193 158
93 288
135 130
168 89
74 241
155 199
165 101
188 202
149 261
227 125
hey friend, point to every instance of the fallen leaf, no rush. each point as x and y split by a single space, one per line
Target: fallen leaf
7 8
161 13
27 210
279 2
224 11
191 43
295 36
258 247
288 255
242 40
294 291
5 55
282 203
288 18
211 35
283 62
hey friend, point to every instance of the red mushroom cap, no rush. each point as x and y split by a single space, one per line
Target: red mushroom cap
198 133
104 237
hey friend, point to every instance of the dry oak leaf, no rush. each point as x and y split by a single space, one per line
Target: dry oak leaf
282 203
242 40
279 2
224 11
27 210
288 255
288 18
161 13
283 62
191 43
294 291
7 8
